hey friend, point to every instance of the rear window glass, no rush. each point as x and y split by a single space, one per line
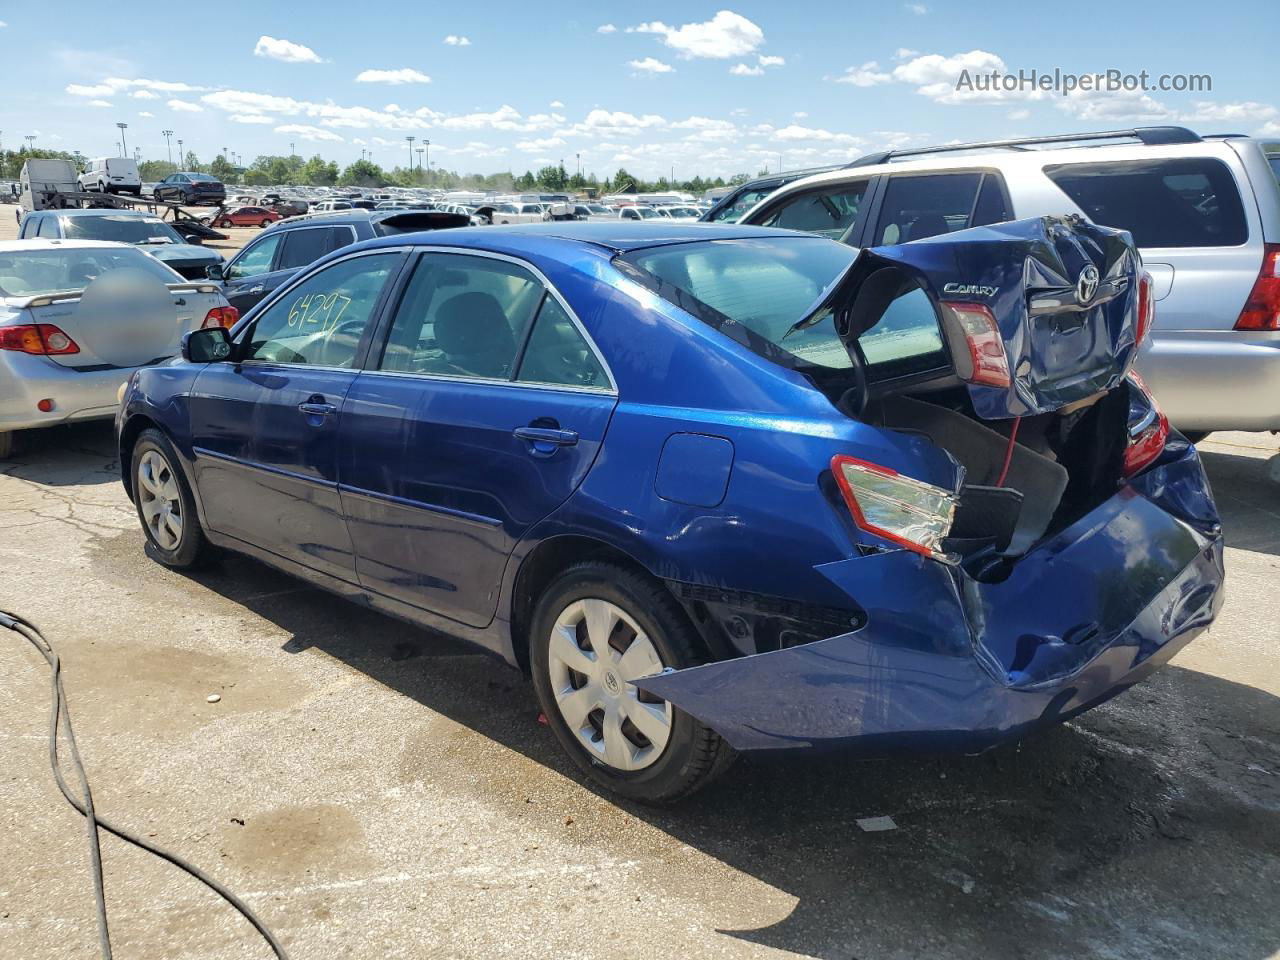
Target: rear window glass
917 207
1274 160
1191 202
753 291
120 228
29 273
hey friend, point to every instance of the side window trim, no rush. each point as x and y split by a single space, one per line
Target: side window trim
371 329
373 357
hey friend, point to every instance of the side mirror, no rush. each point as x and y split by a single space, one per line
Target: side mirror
215 272
195 239
209 345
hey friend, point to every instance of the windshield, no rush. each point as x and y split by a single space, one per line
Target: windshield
201 178
122 229
646 213
29 273
754 290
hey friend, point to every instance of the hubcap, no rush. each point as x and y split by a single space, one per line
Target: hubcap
159 500
596 653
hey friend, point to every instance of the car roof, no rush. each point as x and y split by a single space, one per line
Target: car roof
619 237
43 243
103 212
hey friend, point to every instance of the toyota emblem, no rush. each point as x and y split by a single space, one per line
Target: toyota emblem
1087 285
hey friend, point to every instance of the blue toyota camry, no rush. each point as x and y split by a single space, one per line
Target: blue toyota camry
715 489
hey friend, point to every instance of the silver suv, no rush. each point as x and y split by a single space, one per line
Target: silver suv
1204 211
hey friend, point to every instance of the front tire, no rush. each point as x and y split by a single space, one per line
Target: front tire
264 224
165 506
7 444
597 628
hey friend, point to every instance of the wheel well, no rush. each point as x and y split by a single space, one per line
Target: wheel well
544 564
128 437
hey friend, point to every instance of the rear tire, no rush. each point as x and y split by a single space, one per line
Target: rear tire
165 505
658 764
264 224
8 443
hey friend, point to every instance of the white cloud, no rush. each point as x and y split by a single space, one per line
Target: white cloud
100 103
1246 112
936 77
534 146
725 35
455 41
650 65
146 113
867 75
905 53
1270 129
1093 105
184 106
394 77
742 70
285 51
307 132
767 61
556 104
144 95
796 132
799 115
919 9
249 118
97 90
606 28
605 124
1020 114
3 24
707 128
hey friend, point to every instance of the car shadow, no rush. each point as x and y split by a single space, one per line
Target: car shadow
1248 500
67 455
1151 819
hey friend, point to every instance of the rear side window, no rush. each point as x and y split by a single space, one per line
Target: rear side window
302 247
830 212
733 212
917 207
557 353
1187 202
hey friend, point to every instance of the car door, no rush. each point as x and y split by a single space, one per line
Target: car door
252 275
481 414
265 427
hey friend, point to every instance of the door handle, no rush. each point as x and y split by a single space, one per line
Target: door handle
547 435
258 289
317 409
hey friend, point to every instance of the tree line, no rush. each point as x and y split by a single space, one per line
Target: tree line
315 171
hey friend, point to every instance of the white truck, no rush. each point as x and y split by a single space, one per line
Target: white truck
39 176
112 175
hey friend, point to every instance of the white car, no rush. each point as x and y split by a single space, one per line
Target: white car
514 213
112 175
639 213
77 317
679 212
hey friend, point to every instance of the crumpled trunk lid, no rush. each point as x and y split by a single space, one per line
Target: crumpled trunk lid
1063 292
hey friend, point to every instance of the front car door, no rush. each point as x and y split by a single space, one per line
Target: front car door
481 414
252 275
265 428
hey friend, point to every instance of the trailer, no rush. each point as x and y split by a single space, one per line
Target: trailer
44 197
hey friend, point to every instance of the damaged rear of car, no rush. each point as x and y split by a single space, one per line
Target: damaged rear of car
1024 536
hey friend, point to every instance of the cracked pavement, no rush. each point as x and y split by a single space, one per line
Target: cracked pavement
375 790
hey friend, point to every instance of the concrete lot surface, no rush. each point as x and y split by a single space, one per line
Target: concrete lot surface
378 791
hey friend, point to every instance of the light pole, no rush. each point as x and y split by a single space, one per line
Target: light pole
291 150
418 151
168 147
182 160
428 146
411 139
124 146
224 154
31 141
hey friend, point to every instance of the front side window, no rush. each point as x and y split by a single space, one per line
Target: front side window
462 316
255 260
830 212
929 205
321 320
735 211
1186 202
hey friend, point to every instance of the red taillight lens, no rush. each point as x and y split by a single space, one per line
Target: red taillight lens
1148 442
220 317
903 510
986 346
1262 309
40 339
1146 308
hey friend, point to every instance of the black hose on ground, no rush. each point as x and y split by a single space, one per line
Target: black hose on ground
60 718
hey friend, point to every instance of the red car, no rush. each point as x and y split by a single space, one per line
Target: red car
246 217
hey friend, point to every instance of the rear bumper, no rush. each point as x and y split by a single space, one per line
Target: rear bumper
945 663
26 380
1215 380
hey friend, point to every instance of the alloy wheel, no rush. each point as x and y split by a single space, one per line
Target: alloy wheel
596 653
160 499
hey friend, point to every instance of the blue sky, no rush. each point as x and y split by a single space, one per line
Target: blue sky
717 88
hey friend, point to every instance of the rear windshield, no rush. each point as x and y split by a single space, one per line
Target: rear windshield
1189 202
29 273
121 229
753 290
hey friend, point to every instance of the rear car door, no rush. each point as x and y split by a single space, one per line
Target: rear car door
265 428
481 415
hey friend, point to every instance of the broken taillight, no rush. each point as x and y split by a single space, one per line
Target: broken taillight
1148 437
1262 309
986 347
909 512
